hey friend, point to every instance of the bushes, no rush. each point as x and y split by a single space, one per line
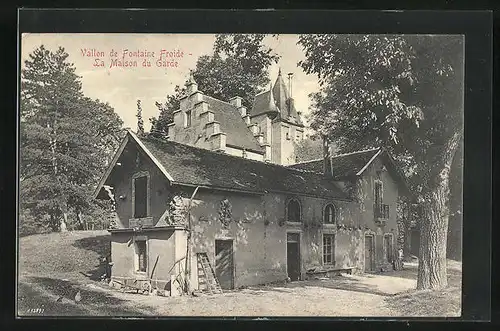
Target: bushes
30 224
97 217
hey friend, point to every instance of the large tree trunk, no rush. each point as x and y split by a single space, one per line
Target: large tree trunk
434 229
432 273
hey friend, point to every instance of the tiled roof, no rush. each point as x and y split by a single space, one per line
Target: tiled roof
195 166
344 165
231 123
263 103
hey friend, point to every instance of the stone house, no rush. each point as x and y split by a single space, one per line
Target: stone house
236 198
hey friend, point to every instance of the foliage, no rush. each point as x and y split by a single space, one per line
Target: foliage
65 138
400 92
166 109
309 148
238 67
29 224
140 122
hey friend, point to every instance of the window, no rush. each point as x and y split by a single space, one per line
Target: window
378 192
187 118
142 257
329 249
329 216
141 197
293 211
388 247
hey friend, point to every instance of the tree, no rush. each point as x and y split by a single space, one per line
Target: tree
311 148
238 67
166 109
140 121
404 93
63 138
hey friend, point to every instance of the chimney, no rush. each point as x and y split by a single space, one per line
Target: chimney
327 158
191 85
236 101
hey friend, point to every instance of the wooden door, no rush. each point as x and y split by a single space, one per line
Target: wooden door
224 268
293 256
368 253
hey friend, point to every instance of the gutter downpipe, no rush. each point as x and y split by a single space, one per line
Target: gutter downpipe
187 268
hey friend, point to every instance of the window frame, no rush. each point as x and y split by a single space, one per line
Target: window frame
137 267
287 210
135 176
188 118
334 214
377 183
331 253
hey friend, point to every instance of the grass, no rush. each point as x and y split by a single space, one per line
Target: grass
69 255
428 303
54 267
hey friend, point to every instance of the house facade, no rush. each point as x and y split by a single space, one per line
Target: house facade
257 216
257 222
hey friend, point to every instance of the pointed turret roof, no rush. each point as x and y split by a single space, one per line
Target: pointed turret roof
278 101
280 93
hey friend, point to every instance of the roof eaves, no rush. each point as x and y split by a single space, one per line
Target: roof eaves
368 163
151 156
110 167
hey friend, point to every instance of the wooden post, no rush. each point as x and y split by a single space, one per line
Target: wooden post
187 269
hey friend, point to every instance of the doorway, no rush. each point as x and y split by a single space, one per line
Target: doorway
224 267
369 253
293 256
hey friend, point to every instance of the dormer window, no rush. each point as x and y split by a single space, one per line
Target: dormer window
187 118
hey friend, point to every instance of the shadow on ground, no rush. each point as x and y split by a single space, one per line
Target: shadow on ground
411 271
337 282
100 245
57 297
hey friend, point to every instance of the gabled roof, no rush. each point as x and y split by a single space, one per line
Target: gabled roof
192 166
231 123
354 164
344 165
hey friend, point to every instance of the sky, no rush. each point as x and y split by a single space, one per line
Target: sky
121 87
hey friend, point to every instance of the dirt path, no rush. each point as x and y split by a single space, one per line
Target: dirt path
349 295
308 298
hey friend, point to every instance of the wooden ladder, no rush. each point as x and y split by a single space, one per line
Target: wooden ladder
211 281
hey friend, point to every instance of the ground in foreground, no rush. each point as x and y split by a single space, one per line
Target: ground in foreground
49 282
